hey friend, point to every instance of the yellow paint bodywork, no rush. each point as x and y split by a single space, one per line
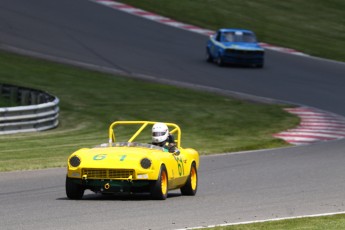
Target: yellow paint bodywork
122 161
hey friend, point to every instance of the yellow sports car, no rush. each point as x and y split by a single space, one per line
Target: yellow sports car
126 166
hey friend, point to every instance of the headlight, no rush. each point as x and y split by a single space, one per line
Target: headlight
74 161
145 163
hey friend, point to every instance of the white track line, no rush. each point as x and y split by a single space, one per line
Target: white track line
326 119
263 221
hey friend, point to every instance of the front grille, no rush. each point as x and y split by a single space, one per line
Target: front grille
108 173
244 52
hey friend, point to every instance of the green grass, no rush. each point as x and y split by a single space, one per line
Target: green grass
316 27
90 101
335 222
5 102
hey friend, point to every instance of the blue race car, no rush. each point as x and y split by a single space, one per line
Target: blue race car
235 46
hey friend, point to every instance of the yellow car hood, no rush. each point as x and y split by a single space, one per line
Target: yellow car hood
116 157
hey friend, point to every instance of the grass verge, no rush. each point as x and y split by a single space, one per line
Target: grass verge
335 222
90 101
316 27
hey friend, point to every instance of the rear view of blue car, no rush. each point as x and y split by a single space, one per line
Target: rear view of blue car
235 46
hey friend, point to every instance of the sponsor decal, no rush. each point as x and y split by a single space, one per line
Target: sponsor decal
99 157
180 165
123 157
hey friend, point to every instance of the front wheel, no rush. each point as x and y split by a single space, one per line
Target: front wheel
159 189
209 57
191 185
260 65
73 191
220 61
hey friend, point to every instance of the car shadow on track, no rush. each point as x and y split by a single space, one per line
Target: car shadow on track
121 197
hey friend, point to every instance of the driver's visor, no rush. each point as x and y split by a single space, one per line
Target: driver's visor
158 134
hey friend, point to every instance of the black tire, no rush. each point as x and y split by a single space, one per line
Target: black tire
159 189
220 61
191 186
74 191
260 65
209 57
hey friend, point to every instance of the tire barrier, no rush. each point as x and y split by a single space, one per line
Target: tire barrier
37 110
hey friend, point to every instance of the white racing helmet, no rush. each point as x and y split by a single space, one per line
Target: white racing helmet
160 132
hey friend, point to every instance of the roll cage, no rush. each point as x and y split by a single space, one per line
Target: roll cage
174 129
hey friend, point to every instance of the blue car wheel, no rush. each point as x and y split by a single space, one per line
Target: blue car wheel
220 61
209 57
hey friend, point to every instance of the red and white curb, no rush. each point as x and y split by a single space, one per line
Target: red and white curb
171 22
152 16
282 49
315 126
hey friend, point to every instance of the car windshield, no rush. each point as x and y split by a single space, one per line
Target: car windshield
239 37
130 144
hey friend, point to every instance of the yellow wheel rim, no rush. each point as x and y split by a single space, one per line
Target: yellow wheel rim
193 178
164 183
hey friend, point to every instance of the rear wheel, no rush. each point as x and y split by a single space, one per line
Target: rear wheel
209 57
73 191
159 189
191 185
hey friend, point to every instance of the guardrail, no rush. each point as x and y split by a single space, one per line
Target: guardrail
38 110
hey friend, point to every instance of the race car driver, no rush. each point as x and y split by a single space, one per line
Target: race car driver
161 137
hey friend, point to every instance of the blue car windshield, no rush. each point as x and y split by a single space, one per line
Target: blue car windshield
239 37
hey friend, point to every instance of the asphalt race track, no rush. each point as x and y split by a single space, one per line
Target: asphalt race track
232 187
